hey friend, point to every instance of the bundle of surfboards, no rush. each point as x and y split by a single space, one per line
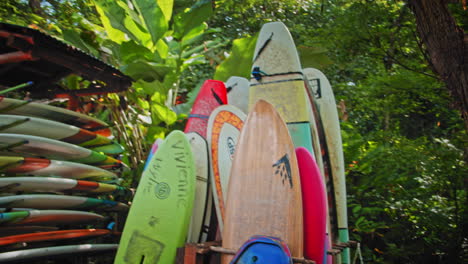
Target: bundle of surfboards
57 188
265 153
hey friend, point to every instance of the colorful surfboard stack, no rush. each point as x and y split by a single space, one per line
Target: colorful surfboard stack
58 175
260 169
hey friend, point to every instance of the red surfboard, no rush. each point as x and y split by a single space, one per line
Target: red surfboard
211 95
314 204
53 236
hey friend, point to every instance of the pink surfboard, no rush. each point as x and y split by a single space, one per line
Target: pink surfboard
314 204
212 94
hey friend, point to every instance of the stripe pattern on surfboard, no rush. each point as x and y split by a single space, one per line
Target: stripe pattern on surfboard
224 127
46 167
47 217
49 201
28 108
16 124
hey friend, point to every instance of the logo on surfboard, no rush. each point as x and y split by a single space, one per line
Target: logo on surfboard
283 169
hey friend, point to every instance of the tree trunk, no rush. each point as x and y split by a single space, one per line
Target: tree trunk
446 46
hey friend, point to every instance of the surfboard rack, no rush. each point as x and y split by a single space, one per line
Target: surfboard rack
193 253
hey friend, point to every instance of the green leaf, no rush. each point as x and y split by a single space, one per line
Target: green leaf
166 8
146 71
72 37
153 16
131 51
314 57
191 18
194 34
163 113
119 17
239 62
114 34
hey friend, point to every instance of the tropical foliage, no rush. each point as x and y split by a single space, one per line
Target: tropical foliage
405 147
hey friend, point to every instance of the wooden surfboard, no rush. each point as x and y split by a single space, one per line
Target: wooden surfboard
277 78
27 108
55 252
16 124
19 144
45 167
197 230
49 184
48 217
224 127
331 125
211 95
314 202
159 218
264 196
49 201
53 236
238 92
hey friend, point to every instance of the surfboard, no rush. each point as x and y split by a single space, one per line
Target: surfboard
54 252
200 206
314 204
18 230
224 127
48 217
277 78
238 92
49 201
49 184
16 124
264 193
158 221
19 145
211 95
28 108
45 167
53 236
331 125
263 249
325 165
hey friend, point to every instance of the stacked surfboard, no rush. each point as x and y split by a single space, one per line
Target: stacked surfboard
58 175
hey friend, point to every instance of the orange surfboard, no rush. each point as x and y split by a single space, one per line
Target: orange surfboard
53 236
264 193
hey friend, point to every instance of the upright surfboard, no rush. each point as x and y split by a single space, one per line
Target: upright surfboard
49 184
211 95
314 202
45 167
55 252
238 92
19 144
264 194
27 108
201 209
331 125
224 127
16 124
48 217
277 78
159 218
49 201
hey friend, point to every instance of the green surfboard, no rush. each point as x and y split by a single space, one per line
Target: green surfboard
158 220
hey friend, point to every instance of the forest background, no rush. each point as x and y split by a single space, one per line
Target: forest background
403 130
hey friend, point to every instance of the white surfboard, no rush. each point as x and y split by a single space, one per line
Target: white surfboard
238 92
200 206
224 127
331 125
